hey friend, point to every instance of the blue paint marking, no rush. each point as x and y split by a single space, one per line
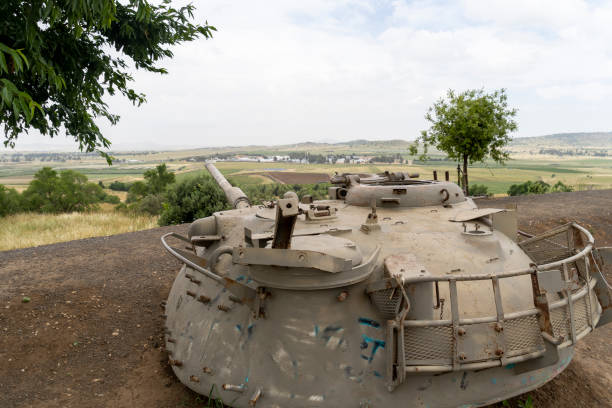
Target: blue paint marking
377 374
316 330
241 278
249 331
249 280
239 327
246 379
510 366
493 380
523 381
369 322
376 345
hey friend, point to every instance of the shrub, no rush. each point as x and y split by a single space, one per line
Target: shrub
119 186
529 187
11 201
192 199
111 199
562 188
138 190
479 190
150 204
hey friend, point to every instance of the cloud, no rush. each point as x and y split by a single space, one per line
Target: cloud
287 71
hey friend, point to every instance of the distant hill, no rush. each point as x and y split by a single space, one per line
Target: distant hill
600 140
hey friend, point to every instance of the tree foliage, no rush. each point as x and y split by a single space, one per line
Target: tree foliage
469 127
60 58
68 191
158 178
192 199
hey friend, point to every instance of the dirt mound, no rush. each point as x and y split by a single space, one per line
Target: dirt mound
91 333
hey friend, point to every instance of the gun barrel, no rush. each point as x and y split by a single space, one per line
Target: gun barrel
234 195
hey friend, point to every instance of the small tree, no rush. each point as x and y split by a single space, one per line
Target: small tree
469 127
158 178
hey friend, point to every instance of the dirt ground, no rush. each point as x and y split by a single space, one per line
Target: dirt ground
91 333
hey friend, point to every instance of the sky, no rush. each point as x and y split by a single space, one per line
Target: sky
286 71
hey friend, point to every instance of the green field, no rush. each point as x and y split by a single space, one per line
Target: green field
580 174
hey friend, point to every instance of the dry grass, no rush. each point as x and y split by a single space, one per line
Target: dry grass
27 230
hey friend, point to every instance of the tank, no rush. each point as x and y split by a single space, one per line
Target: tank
395 291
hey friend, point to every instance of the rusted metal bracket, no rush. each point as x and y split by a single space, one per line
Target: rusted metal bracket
541 303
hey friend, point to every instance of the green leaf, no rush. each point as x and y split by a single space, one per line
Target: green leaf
7 96
23 57
3 66
16 109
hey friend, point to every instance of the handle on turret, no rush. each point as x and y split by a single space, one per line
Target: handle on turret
233 194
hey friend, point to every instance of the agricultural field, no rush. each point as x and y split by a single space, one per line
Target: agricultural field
576 168
582 174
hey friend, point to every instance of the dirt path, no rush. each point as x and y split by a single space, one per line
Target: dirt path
90 336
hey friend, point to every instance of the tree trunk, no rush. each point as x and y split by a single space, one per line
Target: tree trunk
465 175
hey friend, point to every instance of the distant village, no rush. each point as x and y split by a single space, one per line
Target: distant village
306 158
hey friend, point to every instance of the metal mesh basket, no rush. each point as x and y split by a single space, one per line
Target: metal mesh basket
523 335
428 345
554 246
560 318
387 301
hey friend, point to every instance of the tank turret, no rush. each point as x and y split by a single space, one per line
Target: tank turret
395 291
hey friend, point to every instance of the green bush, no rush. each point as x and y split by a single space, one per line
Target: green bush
111 199
561 188
529 187
479 190
119 186
138 190
11 201
150 204
192 199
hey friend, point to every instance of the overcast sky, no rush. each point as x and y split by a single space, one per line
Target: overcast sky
283 71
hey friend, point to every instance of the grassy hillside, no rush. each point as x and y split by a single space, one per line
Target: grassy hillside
29 229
